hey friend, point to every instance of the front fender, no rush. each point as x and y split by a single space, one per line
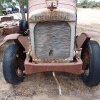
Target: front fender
22 39
84 36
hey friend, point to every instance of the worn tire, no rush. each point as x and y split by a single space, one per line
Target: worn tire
25 27
9 64
91 63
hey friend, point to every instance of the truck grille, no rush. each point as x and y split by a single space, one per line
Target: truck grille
52 40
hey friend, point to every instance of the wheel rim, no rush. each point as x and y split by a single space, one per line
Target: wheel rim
86 62
19 66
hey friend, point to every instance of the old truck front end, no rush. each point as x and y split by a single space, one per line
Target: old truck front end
52 44
52 26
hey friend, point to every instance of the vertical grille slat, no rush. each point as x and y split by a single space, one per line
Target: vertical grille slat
52 40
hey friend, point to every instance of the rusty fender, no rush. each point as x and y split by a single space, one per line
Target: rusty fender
23 40
84 36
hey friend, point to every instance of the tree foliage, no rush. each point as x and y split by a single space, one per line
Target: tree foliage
21 3
87 3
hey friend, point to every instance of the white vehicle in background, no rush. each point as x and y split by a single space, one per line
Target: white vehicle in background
17 6
9 10
6 10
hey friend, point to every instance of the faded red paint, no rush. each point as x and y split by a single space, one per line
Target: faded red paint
40 4
82 38
11 29
3 19
73 67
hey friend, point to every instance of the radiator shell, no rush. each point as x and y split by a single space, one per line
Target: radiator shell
52 40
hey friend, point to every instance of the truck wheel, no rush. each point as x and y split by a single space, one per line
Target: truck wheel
13 64
91 63
23 27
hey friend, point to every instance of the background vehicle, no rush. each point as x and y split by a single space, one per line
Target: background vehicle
10 10
25 9
48 42
7 9
4 11
14 10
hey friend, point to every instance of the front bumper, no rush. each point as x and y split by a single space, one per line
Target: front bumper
73 67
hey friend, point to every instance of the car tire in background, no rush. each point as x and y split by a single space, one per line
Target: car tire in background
9 12
5 13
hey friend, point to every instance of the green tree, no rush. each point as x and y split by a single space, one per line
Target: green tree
84 2
91 4
88 3
0 10
1 2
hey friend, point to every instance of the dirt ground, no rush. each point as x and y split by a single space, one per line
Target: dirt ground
42 86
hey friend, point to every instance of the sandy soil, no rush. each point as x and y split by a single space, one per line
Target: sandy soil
42 86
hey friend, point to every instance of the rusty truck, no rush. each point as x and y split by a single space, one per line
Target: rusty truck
47 42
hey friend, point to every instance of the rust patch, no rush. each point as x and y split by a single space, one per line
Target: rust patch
3 19
52 4
72 67
11 29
